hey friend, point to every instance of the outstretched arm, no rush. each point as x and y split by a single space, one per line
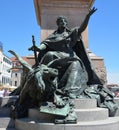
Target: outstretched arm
86 20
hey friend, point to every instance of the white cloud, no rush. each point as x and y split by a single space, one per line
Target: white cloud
113 78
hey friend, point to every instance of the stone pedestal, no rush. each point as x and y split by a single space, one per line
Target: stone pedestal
47 12
90 117
99 66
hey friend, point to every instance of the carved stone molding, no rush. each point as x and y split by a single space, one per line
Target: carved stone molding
75 4
66 4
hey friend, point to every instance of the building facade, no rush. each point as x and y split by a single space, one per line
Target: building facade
18 70
5 66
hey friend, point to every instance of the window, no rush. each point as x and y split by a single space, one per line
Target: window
15 74
7 60
15 83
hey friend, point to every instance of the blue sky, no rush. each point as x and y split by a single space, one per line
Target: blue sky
104 36
18 23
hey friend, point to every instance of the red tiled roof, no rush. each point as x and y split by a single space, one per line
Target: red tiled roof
112 85
29 59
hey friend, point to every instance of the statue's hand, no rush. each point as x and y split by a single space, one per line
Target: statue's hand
91 11
32 48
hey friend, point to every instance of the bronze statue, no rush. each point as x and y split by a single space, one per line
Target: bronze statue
63 73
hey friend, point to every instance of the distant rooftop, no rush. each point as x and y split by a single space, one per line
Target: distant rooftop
29 59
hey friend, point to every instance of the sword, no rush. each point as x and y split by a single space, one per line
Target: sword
35 53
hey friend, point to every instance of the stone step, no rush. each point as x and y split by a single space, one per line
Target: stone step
82 115
6 122
85 103
4 112
116 101
93 114
37 115
30 124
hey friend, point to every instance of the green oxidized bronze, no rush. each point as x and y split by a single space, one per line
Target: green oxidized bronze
63 72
